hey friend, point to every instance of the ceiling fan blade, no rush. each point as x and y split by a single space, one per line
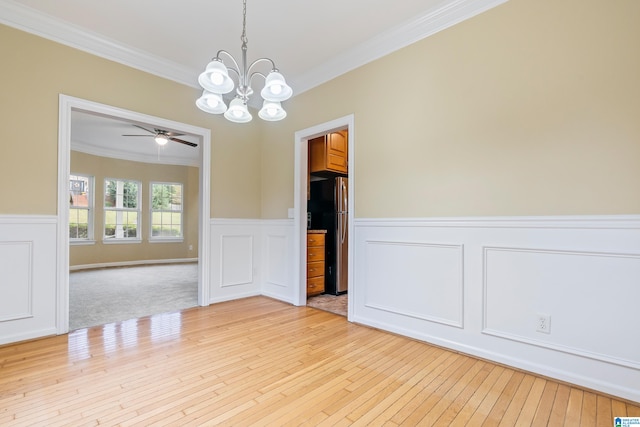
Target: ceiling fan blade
171 134
182 141
146 136
150 131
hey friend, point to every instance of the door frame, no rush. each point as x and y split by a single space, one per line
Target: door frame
301 152
67 104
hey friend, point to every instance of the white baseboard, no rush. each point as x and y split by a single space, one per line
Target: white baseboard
234 297
279 297
30 335
132 263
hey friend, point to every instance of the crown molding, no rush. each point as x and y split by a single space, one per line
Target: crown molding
30 20
446 15
133 157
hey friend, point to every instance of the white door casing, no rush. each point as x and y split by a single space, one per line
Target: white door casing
67 104
300 206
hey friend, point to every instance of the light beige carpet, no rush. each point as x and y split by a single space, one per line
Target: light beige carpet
108 295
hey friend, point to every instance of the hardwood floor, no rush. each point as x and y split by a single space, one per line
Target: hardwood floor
262 362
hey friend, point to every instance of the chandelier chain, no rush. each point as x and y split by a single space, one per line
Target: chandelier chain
243 38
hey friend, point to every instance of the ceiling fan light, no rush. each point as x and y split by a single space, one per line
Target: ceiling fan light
161 139
238 112
215 78
272 111
211 103
276 88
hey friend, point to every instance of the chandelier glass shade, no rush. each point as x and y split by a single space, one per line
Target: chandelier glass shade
272 111
217 81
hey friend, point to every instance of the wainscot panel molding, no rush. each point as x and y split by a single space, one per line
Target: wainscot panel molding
277 240
436 285
27 277
16 265
251 257
590 286
480 285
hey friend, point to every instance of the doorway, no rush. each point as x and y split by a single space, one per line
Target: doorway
67 106
300 204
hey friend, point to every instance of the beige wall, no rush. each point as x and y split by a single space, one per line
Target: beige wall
528 109
103 167
35 71
532 108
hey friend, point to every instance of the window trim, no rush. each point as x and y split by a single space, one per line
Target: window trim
90 239
118 240
160 239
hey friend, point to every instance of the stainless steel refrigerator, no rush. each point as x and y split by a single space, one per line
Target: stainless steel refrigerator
329 208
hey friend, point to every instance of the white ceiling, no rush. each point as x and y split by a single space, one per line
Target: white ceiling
103 136
311 42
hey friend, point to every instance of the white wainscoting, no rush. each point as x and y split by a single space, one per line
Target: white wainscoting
592 298
278 281
27 277
478 285
474 285
235 259
430 273
251 257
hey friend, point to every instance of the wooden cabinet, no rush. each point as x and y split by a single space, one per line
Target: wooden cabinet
315 263
329 153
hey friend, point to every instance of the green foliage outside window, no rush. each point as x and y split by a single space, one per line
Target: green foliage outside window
129 194
167 197
166 205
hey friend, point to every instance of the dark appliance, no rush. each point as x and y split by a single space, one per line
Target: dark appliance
328 205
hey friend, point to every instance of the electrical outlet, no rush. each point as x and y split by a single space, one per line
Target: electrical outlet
543 323
190 247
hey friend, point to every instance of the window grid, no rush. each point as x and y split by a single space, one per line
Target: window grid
80 207
166 210
121 209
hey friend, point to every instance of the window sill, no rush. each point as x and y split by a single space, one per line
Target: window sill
82 242
120 241
166 240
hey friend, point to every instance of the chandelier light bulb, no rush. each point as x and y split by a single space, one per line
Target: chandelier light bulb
211 103
276 89
272 111
217 78
238 112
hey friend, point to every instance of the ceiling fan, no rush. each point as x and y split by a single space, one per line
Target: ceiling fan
163 136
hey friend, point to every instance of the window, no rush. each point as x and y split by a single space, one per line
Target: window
121 210
80 208
166 211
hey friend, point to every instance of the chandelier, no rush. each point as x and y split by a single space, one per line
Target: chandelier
215 81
